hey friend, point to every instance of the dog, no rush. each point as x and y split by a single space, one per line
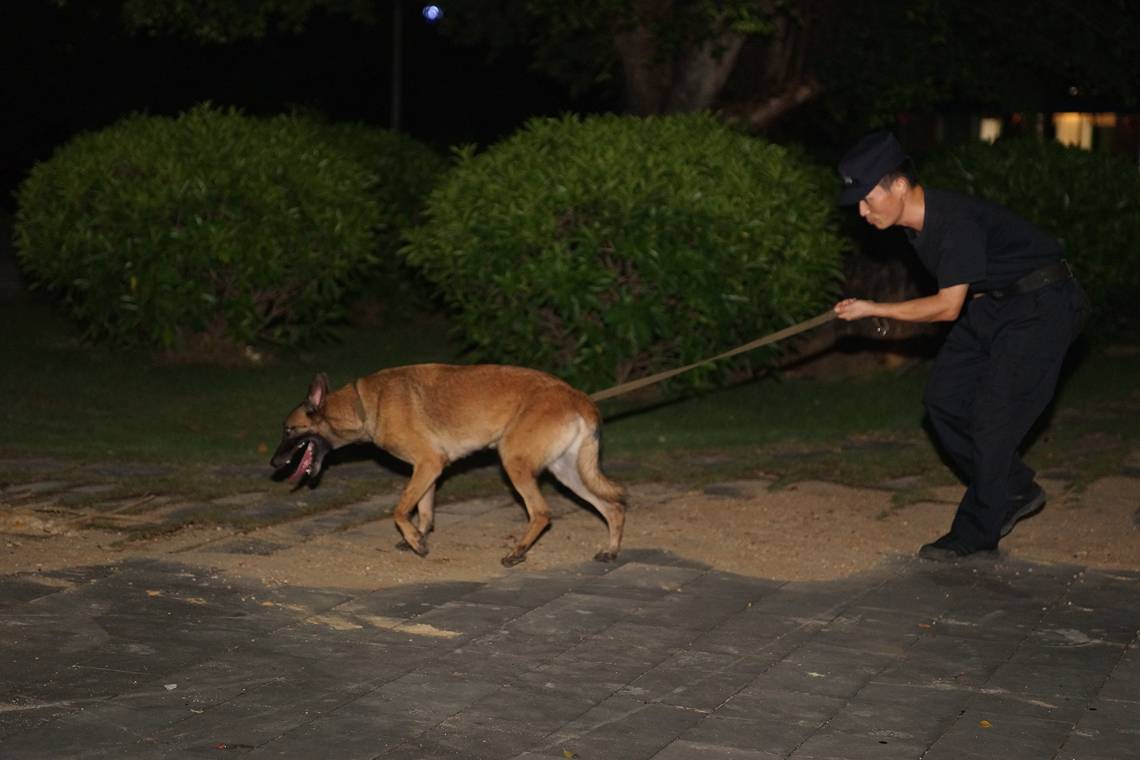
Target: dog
430 415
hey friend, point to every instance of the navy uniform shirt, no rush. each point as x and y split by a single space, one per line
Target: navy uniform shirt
967 240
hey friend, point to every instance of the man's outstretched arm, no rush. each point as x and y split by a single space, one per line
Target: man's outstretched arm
943 306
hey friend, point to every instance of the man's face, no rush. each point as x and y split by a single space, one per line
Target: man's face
883 206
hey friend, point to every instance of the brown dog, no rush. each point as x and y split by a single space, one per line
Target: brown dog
431 414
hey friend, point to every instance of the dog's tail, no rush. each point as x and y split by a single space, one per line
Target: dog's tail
591 474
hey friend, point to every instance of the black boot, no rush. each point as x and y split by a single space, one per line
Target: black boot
950 548
1023 506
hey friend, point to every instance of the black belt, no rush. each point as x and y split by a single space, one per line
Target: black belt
1056 272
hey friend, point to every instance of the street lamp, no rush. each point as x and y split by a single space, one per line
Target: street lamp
397 64
432 14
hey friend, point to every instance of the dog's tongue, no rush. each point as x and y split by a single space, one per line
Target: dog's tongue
304 464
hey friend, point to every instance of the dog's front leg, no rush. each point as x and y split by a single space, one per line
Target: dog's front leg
424 475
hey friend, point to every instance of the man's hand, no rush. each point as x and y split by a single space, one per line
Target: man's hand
855 308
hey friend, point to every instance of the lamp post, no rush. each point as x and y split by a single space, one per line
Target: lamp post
397 63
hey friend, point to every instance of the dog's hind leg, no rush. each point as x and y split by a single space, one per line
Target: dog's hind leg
425 511
521 472
424 475
567 469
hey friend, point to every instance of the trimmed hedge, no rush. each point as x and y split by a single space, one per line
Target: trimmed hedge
403 172
610 247
1090 201
212 223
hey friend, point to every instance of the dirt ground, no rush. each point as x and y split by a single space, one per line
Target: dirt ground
807 531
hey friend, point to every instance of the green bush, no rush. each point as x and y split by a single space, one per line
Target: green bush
158 229
1090 201
607 248
404 171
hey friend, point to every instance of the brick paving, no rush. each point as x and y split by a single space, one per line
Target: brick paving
654 657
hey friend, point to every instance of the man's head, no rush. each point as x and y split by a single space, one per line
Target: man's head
877 174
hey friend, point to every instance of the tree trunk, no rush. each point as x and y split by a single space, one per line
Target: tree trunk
695 79
682 82
774 78
761 114
699 78
646 80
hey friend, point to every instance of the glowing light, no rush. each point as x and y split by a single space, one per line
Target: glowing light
1078 128
432 13
1073 129
989 129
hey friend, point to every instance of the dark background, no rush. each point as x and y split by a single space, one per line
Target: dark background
77 68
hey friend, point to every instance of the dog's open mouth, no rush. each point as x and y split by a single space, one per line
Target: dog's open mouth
301 457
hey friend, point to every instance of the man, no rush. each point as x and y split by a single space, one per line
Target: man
1016 309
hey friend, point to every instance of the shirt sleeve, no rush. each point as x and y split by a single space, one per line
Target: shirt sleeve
963 259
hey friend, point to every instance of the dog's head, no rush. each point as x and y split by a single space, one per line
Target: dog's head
322 422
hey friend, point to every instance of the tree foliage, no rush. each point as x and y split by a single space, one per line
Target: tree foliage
861 61
223 21
664 56
890 57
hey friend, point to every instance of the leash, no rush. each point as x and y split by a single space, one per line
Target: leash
775 337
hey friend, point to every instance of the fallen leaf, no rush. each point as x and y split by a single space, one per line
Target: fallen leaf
986 724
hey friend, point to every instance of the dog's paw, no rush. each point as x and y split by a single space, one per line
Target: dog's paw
513 559
605 556
421 550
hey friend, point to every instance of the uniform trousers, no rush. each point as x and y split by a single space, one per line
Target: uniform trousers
993 377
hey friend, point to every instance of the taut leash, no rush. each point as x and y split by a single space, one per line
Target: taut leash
775 337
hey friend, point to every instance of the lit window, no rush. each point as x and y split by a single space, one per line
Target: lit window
1073 129
989 129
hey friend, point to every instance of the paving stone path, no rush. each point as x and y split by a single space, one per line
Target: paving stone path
655 657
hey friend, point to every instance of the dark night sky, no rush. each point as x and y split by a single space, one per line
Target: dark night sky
77 69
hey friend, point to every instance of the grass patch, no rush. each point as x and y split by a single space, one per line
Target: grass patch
75 402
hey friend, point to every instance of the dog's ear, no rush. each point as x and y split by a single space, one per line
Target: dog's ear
318 390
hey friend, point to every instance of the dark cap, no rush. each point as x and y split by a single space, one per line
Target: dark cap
868 162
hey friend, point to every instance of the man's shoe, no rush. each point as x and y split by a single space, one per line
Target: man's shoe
1024 506
949 548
